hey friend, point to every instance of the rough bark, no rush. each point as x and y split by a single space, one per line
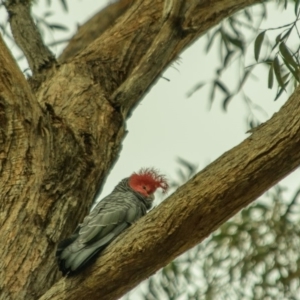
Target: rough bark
59 141
50 170
93 28
27 35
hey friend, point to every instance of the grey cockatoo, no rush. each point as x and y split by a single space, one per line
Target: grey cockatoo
128 202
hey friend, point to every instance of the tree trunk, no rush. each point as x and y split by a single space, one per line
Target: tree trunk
61 135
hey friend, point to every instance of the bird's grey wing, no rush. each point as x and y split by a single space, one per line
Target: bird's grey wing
118 209
108 219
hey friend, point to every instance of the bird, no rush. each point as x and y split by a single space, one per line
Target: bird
131 198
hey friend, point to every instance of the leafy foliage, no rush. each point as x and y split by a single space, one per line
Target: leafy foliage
282 61
234 35
278 53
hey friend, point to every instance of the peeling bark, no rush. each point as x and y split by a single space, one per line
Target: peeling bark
59 141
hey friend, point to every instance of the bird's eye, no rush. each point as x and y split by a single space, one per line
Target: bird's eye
145 188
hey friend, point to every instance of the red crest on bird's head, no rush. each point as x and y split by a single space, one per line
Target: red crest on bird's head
150 178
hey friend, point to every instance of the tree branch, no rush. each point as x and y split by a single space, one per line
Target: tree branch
93 28
199 207
27 35
150 44
20 159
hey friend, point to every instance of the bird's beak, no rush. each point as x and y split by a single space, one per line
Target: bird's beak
151 197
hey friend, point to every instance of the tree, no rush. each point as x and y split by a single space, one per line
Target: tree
59 139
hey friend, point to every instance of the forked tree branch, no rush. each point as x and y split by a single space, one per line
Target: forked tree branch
163 29
27 35
93 28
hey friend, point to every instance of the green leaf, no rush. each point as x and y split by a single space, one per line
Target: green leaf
281 90
277 72
48 14
192 168
197 87
234 26
277 41
287 34
222 87
64 5
228 57
211 40
57 27
236 42
248 15
297 2
285 52
294 72
257 44
285 77
280 38
246 74
213 91
226 102
270 77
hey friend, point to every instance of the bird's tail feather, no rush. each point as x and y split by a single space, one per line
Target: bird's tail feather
72 259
